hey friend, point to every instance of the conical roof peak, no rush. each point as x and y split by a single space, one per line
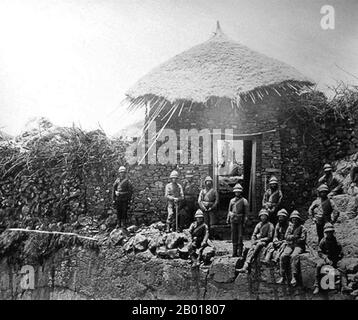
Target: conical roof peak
218 67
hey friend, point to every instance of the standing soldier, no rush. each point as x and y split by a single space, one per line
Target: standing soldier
122 195
330 252
276 247
208 201
261 237
237 215
190 196
323 210
173 194
333 182
199 232
295 238
272 199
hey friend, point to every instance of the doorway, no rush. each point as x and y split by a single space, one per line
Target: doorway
235 162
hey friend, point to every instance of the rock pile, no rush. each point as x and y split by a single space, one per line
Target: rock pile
152 239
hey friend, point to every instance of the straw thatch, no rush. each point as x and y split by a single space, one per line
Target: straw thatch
219 67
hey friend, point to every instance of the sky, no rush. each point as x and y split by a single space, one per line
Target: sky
72 61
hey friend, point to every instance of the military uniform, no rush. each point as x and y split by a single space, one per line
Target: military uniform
199 236
172 190
122 195
295 238
189 204
272 200
333 183
323 211
208 201
238 211
262 236
276 247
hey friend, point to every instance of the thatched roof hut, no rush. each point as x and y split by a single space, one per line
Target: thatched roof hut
219 67
228 90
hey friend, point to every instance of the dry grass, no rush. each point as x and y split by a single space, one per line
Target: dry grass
219 67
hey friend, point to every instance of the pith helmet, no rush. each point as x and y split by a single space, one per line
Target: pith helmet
323 187
282 212
122 169
174 174
189 174
328 227
238 188
273 180
208 178
263 212
327 167
199 214
295 214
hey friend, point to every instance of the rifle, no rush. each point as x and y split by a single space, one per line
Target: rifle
176 216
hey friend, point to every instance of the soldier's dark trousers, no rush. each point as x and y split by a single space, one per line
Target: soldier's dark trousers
290 259
187 211
121 208
254 252
237 232
209 220
320 232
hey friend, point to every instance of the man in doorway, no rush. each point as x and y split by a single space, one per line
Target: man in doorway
237 216
272 199
208 201
261 237
332 181
122 196
173 194
323 210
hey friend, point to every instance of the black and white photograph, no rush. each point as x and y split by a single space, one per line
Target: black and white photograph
197 152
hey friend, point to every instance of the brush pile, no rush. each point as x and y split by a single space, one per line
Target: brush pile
58 179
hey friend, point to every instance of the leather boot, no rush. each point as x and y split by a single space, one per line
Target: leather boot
344 284
240 251
234 251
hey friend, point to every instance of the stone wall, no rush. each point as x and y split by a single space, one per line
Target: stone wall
218 115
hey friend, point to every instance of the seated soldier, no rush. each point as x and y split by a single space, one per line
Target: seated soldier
295 238
330 253
276 247
199 232
262 235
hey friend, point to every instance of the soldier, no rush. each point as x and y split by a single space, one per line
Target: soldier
189 204
323 210
333 182
276 247
295 238
272 199
173 194
208 201
330 253
261 237
237 216
199 232
122 196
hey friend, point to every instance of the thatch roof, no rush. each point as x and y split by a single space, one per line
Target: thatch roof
219 67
